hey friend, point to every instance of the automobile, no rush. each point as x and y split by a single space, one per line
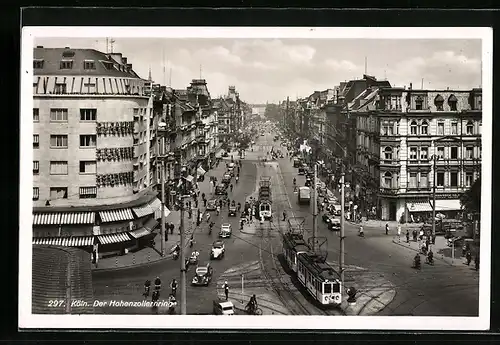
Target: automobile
296 162
230 166
203 275
334 224
223 308
308 182
220 189
322 191
327 218
302 170
225 230
212 205
232 211
218 250
226 179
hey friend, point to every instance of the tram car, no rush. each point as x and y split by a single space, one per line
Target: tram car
293 244
320 279
264 209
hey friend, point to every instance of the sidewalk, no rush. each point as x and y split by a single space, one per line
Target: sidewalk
149 255
440 249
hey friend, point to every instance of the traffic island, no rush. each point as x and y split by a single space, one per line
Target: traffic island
438 249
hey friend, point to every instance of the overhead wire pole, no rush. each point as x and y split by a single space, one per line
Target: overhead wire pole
315 207
162 235
183 257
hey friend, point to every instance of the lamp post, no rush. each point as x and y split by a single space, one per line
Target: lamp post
434 159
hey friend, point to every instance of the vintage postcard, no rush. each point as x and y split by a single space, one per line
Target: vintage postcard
290 178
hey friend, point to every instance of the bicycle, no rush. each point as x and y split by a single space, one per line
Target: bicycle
253 310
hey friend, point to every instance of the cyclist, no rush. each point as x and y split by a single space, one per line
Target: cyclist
173 286
252 304
157 283
147 286
294 181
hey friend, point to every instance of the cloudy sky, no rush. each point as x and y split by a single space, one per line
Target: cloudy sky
272 69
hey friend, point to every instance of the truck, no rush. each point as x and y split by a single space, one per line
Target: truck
264 201
304 196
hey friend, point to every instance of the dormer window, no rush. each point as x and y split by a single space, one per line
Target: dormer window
108 65
419 103
438 102
89 65
38 64
452 101
66 64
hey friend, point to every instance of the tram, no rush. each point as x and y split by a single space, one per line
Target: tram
293 244
319 278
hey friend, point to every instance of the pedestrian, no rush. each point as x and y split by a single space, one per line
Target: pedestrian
387 228
203 196
399 232
468 257
414 233
231 187
226 289
241 223
476 261
284 215
172 226
204 202
407 236
218 210
434 239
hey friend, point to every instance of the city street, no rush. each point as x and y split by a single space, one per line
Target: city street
432 291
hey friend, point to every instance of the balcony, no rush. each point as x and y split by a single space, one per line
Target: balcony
388 191
419 189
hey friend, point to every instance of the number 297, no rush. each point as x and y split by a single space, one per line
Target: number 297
56 303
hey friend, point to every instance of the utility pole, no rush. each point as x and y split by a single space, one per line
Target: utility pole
162 235
342 225
434 195
315 207
183 256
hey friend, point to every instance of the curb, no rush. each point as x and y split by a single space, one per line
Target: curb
443 259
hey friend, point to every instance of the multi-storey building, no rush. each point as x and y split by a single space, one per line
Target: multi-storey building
428 139
222 110
91 143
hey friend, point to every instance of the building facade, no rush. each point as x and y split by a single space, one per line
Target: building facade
91 144
428 139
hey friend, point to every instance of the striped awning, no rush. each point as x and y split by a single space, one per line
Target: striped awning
419 207
148 208
116 215
79 241
113 238
139 233
448 205
63 218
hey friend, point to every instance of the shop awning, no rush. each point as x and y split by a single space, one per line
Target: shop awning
158 213
200 171
148 208
63 218
150 224
116 215
139 233
79 241
448 205
419 207
113 238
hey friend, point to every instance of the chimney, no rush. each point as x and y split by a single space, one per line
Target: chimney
129 67
124 60
410 87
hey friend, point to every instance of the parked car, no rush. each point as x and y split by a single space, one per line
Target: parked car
212 205
203 275
218 250
223 308
232 211
226 179
230 166
327 218
225 230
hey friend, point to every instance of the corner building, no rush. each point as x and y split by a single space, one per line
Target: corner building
92 116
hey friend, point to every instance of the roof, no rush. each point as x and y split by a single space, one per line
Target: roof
55 267
318 267
52 58
225 304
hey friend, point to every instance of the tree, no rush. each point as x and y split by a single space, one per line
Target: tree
471 199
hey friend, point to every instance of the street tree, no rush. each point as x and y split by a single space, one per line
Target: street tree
471 199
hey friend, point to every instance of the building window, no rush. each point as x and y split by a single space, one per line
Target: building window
59 140
440 128
440 179
440 152
439 101
36 141
36 115
388 180
469 152
136 141
60 88
424 153
88 64
470 128
88 114
413 128
413 180
424 180
88 167
480 152
58 115
480 128
419 103
36 193
413 153
454 128
66 64
454 179
88 140
89 87
136 112
452 101
88 192
424 129
36 167
478 102
468 179
58 193
388 153
453 152
37 64
59 168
